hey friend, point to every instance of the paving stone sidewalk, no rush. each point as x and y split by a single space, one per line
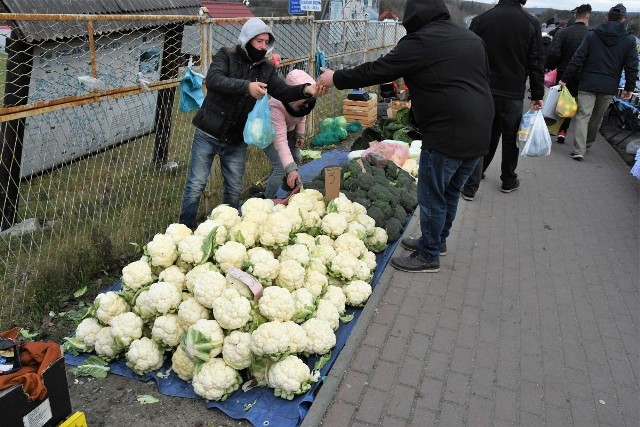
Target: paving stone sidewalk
532 320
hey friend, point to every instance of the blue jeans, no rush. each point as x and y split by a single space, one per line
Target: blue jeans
440 179
275 179
203 152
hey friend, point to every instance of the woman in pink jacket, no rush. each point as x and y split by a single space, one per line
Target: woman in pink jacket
289 121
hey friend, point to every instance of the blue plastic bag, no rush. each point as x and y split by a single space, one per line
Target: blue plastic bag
258 130
191 95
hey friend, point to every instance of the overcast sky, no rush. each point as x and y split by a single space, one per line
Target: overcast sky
599 5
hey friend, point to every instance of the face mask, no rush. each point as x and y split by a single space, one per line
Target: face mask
303 109
255 54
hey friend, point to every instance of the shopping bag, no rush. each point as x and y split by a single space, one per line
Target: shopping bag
550 102
554 127
566 106
550 78
539 141
258 130
526 124
191 95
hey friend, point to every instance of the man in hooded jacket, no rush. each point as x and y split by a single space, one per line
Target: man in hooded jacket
446 70
598 65
236 78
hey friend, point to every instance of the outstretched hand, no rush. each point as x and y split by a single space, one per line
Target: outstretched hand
257 89
315 90
292 178
326 78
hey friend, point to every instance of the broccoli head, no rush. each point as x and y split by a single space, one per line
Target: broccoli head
400 214
377 214
408 200
379 193
366 181
385 207
393 228
391 170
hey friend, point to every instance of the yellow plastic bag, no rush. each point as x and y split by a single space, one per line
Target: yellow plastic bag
566 106
554 127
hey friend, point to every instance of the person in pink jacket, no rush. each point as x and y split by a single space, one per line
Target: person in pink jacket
289 121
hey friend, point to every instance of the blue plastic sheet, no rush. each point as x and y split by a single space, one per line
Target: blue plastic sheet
267 409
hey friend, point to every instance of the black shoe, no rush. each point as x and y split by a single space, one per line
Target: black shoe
561 136
510 189
415 263
482 176
411 244
466 197
576 156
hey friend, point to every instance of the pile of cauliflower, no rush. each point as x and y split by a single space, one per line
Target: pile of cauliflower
183 299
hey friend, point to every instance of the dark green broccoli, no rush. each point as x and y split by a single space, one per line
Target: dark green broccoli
363 201
408 200
360 194
350 184
393 228
400 214
391 170
405 180
377 214
379 193
394 194
351 169
365 181
385 207
316 184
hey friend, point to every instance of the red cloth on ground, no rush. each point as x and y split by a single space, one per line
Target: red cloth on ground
35 357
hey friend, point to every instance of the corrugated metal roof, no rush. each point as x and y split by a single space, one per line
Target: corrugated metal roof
221 9
45 30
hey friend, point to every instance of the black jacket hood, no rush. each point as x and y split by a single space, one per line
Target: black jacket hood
612 32
418 13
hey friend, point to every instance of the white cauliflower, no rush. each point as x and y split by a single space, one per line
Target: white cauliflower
314 194
343 206
125 328
369 258
182 365
291 275
277 303
323 239
377 242
351 244
174 275
231 310
315 282
275 230
198 270
261 206
142 307
305 239
105 345
192 250
203 340
357 293
348 267
227 215
190 311
358 209
178 232
297 337
320 335
297 252
357 230
289 377
305 304
162 250
167 331
317 265
144 356
209 226
136 275
327 311
236 351
294 215
334 224
209 286
302 201
254 216
263 265
325 253
320 208
336 296
87 331
108 305
367 222
245 233
216 380
163 297
310 221
271 340
231 254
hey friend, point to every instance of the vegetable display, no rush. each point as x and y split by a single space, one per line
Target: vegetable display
188 297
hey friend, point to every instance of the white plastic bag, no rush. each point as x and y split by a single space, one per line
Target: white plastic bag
550 102
539 141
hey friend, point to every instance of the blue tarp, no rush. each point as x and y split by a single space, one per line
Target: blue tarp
267 409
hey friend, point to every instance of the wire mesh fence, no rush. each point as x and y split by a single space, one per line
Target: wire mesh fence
94 149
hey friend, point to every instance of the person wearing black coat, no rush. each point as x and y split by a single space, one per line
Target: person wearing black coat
237 77
514 46
562 49
597 66
446 70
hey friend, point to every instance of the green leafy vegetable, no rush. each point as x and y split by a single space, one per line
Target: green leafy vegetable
146 399
94 366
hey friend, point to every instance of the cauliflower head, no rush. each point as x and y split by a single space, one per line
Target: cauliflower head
209 286
190 311
357 230
231 310
136 275
203 340
162 250
231 254
263 265
275 230
182 365
334 224
245 233
178 232
144 356
277 303
254 204
291 275
297 252
289 377
305 304
87 330
167 331
320 335
236 350
315 282
377 241
210 226
357 292
305 239
216 380
226 215
349 243
174 275
164 298
109 305
298 340
192 250
327 311
196 271
336 296
271 340
105 345
125 328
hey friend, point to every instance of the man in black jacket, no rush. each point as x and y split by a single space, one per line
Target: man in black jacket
446 70
514 45
236 78
563 47
597 64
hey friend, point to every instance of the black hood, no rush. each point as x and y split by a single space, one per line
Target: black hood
418 13
612 32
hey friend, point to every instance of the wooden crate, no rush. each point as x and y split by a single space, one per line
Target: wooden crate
396 106
363 111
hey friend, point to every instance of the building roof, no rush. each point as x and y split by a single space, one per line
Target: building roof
45 30
224 9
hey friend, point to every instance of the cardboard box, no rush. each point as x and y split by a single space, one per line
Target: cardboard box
396 106
17 411
365 112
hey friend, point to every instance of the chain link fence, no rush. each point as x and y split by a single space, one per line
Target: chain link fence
94 149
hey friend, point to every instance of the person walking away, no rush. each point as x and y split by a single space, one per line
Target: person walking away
289 122
446 70
514 46
236 78
597 66
562 49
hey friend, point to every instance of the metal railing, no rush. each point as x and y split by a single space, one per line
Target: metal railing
94 149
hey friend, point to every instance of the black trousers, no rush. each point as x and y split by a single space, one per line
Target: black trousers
506 121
